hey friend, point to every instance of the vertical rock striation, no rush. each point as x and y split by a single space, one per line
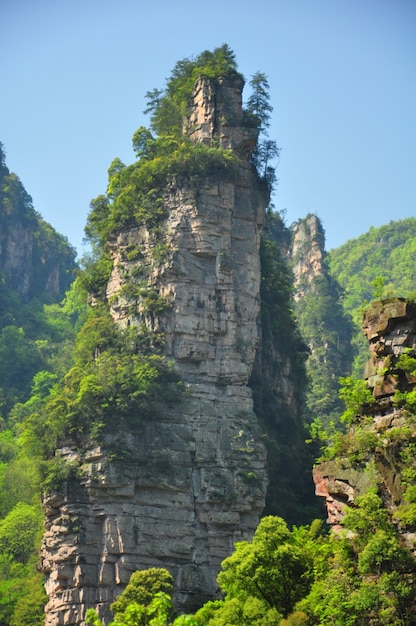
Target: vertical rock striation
180 492
307 253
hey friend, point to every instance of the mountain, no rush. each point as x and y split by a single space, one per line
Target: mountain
162 406
37 266
376 450
181 415
323 323
379 263
35 260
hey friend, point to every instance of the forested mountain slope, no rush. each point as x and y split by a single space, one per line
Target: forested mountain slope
380 262
323 323
35 260
37 266
36 340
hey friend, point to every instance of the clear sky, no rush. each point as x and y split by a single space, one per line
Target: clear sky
342 77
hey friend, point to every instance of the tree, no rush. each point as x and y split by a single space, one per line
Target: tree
258 103
142 587
273 567
259 107
142 142
367 577
18 531
145 601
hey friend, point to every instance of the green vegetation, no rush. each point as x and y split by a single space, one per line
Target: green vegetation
168 107
28 329
360 575
67 370
281 362
36 342
260 109
327 331
145 601
377 264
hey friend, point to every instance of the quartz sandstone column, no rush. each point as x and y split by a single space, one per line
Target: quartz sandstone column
193 481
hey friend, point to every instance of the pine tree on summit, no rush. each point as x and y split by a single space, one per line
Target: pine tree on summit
259 107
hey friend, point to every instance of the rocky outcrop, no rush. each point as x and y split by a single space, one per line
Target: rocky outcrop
180 492
374 447
307 253
323 323
35 260
216 111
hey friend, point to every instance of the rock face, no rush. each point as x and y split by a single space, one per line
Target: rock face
325 327
307 253
193 482
378 439
34 259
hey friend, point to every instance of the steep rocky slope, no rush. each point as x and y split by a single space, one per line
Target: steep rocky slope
180 491
307 253
325 327
35 260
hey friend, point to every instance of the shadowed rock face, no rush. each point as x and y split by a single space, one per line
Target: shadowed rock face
192 482
390 327
34 260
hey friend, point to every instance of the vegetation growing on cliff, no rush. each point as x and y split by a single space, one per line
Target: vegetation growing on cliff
36 340
323 324
364 575
301 577
29 331
281 362
167 156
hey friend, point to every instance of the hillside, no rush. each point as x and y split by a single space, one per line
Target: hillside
379 263
37 266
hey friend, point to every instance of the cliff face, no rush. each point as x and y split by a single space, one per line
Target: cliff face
192 482
34 259
307 253
378 449
324 326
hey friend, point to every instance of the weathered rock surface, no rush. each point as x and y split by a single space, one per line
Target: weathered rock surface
183 490
390 327
34 258
307 253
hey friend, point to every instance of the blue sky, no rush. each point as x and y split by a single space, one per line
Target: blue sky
342 77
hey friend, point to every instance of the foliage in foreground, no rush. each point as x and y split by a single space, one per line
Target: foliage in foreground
358 576
146 601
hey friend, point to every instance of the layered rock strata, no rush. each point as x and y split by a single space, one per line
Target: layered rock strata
384 426
192 482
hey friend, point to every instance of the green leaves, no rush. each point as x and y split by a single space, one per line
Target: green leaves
136 193
357 267
168 106
145 601
272 568
18 531
356 396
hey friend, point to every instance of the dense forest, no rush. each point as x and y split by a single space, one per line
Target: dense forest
37 330
376 265
66 368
